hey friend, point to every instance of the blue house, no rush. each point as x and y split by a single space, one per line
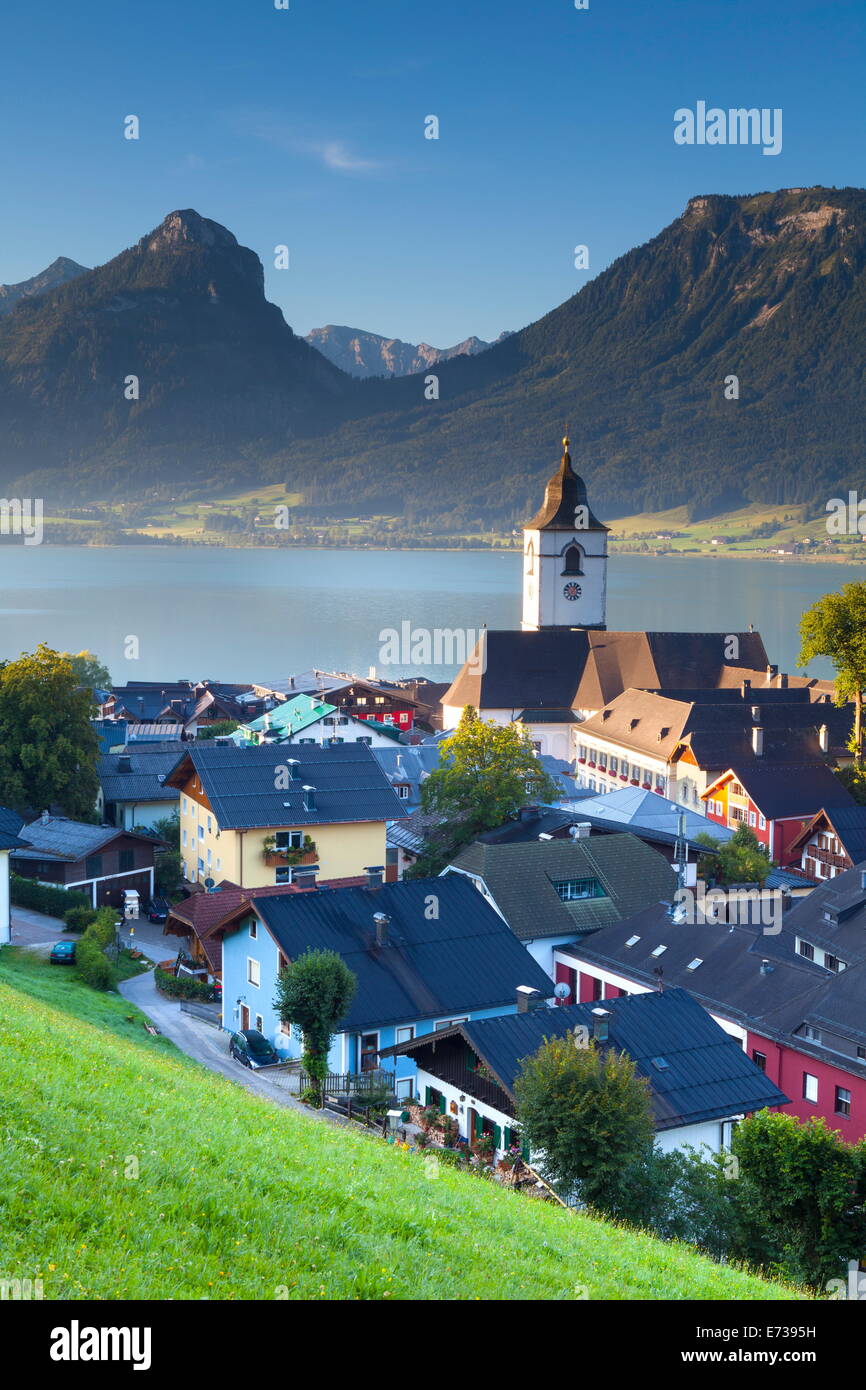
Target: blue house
426 953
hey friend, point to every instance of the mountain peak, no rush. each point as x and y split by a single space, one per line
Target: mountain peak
186 227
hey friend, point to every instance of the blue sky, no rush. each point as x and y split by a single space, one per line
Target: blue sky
306 127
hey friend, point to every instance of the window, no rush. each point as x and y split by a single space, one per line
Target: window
200 865
403 792
208 825
380 699
289 839
693 964
581 752
448 1023
571 889
260 1023
406 1034
362 700
127 860
602 761
614 766
752 819
201 832
254 972
811 1034
184 838
406 1088
597 988
365 738
760 1060
183 800
283 875
254 930
861 1054
632 941
810 1088
93 866
762 822
369 1051
833 963
659 951
806 949
572 560
843 1101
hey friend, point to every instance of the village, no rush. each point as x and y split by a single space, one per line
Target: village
672 871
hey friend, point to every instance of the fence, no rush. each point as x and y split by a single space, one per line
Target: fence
354 1084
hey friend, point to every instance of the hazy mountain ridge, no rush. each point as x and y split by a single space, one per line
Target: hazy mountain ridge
768 288
57 273
364 354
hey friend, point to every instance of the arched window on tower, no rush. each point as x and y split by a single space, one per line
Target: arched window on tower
530 558
572 559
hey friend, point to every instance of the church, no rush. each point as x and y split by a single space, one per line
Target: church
563 665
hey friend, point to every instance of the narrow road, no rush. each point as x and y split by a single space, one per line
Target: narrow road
210 1046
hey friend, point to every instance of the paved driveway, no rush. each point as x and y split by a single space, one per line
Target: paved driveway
37 931
210 1046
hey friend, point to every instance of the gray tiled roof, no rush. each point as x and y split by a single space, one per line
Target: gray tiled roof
462 959
67 839
520 878
240 784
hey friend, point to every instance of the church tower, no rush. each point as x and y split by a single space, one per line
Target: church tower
564 557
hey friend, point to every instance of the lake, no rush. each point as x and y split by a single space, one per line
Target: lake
262 614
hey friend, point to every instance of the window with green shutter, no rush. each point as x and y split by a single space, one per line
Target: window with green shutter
497 1137
479 1124
507 1137
428 1095
441 1104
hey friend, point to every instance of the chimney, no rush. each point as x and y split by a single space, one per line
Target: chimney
580 831
124 764
766 967
824 738
382 921
756 714
305 875
863 880
771 672
45 818
374 876
787 900
783 680
524 993
601 1024
294 769
267 721
309 798
745 688
758 741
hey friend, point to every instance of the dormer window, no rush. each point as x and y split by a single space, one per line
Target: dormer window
572 560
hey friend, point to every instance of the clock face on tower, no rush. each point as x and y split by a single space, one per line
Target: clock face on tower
571 591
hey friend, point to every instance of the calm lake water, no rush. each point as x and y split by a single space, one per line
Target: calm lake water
260 615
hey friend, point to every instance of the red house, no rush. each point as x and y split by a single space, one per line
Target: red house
775 800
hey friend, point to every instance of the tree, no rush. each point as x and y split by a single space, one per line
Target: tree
313 994
218 729
588 1112
835 627
802 1195
487 772
737 860
89 670
48 746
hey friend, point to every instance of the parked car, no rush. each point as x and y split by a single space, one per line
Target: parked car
252 1049
158 910
62 953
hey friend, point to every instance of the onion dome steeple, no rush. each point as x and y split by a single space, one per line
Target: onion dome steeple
565 492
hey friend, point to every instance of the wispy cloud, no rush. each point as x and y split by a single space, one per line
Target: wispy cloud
334 154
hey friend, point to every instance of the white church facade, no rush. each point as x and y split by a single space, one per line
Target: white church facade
564 557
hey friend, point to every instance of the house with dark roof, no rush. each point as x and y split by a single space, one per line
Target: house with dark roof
775 800
551 892
833 840
394 704
256 814
700 1081
311 719
98 860
791 988
133 790
424 953
10 826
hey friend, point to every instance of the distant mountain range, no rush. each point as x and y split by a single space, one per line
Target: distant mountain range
58 273
718 364
369 354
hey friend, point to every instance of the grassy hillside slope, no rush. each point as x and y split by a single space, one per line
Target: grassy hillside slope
236 1199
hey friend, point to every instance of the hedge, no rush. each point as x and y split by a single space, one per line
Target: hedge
179 988
79 918
93 965
26 892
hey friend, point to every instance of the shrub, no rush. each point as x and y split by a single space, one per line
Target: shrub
103 928
78 918
41 897
182 987
92 964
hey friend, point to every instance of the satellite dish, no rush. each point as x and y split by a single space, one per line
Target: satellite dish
562 990
208 883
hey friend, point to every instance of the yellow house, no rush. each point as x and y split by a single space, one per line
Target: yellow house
258 816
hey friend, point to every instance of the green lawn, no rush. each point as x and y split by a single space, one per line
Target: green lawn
237 1199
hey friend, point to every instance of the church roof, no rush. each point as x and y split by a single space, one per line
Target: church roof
582 668
565 492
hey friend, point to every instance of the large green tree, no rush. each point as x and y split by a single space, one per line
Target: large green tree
802 1197
737 860
486 772
89 670
313 994
589 1113
48 746
835 628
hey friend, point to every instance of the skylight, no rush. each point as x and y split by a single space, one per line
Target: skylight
632 941
693 964
659 950
660 1063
